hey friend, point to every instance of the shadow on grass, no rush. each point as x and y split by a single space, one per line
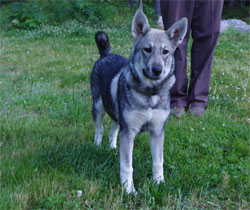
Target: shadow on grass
89 160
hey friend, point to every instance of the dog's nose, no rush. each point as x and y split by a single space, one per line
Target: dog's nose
156 70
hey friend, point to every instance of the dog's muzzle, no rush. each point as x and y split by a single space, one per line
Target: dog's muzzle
153 74
157 70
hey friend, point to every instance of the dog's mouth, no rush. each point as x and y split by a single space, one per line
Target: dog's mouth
151 77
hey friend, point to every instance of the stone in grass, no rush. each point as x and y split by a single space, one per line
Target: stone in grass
239 25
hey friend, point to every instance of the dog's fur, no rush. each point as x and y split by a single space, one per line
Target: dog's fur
135 92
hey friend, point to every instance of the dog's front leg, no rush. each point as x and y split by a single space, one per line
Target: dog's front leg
156 146
126 169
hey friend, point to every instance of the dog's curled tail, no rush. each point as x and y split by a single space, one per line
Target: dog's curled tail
102 42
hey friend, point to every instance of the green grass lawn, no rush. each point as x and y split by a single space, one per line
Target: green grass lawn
47 151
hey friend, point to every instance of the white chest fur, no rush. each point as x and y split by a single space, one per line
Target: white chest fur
155 118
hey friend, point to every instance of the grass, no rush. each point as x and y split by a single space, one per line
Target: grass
46 131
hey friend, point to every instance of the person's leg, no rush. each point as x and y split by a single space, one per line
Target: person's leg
157 8
158 17
205 32
132 3
172 11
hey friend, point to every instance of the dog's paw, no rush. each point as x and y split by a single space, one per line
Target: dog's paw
130 190
134 192
159 179
112 143
98 139
128 186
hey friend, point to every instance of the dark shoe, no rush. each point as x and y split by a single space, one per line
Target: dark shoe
197 110
178 111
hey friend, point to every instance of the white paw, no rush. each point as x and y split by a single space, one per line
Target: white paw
129 189
112 144
127 182
158 179
98 139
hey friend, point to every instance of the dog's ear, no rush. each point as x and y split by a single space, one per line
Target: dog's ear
177 32
140 24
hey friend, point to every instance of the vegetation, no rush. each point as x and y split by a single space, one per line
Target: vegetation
31 14
237 12
47 152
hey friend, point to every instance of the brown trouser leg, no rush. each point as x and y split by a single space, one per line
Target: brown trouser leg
204 22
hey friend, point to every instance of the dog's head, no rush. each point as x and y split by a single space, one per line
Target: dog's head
153 53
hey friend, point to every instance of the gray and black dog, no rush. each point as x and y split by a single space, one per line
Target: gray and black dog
135 92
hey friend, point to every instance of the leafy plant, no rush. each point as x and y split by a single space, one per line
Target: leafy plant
30 14
27 15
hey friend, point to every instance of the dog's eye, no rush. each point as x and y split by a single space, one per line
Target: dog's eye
165 52
147 49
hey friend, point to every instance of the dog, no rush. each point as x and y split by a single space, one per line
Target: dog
135 92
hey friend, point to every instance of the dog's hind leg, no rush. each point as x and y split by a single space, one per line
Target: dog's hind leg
98 113
113 135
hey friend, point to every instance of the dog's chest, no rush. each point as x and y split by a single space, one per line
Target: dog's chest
152 101
145 119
